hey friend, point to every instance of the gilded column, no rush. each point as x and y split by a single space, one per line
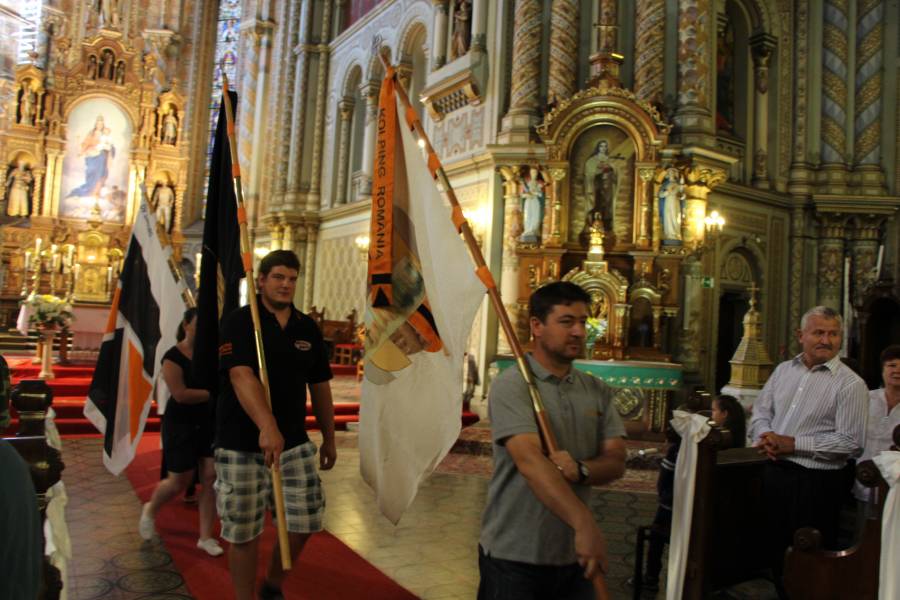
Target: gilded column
699 182
795 285
512 228
563 50
831 261
298 112
439 52
863 257
762 45
324 53
650 35
526 73
345 108
834 93
370 93
869 83
36 190
800 167
696 36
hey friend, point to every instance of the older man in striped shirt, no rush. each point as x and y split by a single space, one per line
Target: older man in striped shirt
810 419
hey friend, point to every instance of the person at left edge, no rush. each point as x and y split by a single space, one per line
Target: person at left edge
250 436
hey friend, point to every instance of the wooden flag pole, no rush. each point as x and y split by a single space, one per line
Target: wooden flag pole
484 273
247 258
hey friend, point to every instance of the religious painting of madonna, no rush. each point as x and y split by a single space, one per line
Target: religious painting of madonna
95 167
602 186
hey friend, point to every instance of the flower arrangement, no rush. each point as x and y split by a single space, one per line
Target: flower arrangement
596 329
47 310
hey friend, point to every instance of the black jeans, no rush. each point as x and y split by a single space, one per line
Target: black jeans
511 580
660 531
797 497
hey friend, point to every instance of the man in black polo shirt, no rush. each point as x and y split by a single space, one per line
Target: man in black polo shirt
250 436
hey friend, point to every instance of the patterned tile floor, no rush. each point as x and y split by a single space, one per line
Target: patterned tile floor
431 552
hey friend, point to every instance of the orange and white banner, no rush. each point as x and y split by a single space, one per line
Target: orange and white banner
423 296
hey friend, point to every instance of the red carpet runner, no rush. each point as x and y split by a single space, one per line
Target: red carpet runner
327 569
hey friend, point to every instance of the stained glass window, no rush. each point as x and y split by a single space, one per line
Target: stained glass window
227 39
30 11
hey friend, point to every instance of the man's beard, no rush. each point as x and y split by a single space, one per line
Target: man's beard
278 304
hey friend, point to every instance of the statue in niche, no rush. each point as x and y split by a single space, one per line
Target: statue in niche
671 200
92 67
18 190
461 29
601 180
27 105
170 128
120 72
164 199
107 58
532 196
108 12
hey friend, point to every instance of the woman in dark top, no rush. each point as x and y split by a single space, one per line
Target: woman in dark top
187 435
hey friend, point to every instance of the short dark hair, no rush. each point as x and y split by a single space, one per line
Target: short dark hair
279 258
736 421
892 352
546 297
188 316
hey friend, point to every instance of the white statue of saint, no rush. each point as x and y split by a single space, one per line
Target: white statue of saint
18 186
165 202
671 194
170 128
533 207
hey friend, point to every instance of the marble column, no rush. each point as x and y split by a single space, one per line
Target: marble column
563 50
345 109
761 46
869 83
439 51
285 94
526 74
831 261
696 39
298 113
690 334
313 201
863 257
512 228
370 92
650 35
257 165
835 66
479 26
310 270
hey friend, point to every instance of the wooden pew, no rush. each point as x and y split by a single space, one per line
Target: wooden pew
31 399
727 538
811 573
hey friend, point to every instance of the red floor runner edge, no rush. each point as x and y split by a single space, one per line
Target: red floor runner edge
327 569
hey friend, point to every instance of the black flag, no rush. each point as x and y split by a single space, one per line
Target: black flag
220 266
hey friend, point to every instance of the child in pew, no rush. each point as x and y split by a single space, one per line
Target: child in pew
727 412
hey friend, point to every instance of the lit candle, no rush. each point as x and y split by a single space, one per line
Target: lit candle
109 279
197 259
27 260
37 246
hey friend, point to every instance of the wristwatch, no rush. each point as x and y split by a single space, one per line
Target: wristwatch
583 472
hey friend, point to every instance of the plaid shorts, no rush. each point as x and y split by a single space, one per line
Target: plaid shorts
244 492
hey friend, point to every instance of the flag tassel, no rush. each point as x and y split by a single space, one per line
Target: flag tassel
481 268
246 252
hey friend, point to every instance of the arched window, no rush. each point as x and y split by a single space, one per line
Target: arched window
348 109
227 41
415 57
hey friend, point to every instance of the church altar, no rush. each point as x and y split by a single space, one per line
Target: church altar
644 391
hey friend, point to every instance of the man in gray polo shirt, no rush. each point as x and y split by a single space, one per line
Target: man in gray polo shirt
539 538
